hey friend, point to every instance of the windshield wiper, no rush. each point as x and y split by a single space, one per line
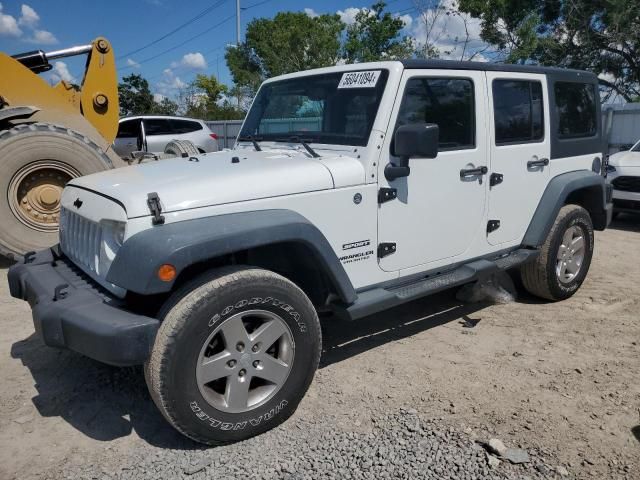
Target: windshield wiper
252 139
297 139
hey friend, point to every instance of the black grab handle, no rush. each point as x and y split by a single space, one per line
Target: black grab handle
543 162
473 172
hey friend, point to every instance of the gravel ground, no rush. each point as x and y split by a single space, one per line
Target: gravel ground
400 445
415 392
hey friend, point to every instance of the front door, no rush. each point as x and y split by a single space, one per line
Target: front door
440 207
520 150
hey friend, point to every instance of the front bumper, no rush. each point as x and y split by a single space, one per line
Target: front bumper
71 311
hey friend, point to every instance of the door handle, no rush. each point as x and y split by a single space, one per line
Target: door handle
473 172
543 162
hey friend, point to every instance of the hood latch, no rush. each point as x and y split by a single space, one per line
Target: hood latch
153 201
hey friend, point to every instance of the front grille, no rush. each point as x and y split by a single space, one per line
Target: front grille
80 239
627 184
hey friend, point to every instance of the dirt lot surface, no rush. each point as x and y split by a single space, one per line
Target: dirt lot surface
561 381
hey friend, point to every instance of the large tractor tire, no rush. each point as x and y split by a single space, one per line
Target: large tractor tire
36 161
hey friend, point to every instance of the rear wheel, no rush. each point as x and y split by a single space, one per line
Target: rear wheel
235 354
564 258
36 162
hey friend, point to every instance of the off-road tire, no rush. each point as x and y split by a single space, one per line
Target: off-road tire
179 148
188 318
28 143
539 277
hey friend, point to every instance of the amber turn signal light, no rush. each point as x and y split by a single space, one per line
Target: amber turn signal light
167 272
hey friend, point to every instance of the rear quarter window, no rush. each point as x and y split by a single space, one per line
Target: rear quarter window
184 126
157 126
576 109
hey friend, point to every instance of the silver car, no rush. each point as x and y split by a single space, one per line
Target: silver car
152 133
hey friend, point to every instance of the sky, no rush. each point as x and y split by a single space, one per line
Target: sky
170 41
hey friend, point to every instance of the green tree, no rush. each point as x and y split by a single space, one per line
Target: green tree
135 96
290 42
602 36
206 98
165 106
375 35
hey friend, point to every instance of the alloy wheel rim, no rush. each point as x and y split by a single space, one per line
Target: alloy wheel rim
245 361
570 255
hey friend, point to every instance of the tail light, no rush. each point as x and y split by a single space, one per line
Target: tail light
214 136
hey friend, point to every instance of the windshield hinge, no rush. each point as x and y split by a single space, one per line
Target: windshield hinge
386 194
153 201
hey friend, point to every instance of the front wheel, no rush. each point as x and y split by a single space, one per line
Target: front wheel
235 354
564 258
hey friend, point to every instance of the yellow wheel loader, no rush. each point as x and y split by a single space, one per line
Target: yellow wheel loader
49 135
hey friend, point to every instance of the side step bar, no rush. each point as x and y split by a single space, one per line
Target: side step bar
378 299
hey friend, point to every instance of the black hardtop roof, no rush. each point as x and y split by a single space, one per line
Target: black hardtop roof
493 67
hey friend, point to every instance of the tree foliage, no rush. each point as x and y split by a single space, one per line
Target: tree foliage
290 42
206 98
375 35
602 36
135 96
295 41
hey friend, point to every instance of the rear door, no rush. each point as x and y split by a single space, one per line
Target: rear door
158 133
520 151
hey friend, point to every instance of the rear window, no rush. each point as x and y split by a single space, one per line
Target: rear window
576 108
184 126
518 111
157 126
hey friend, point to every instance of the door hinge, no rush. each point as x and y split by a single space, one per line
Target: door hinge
153 201
386 194
385 249
493 225
495 179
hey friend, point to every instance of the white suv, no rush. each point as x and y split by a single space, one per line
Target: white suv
624 174
353 188
153 133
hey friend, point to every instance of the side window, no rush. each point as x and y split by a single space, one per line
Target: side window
518 111
128 129
576 108
157 126
184 126
448 102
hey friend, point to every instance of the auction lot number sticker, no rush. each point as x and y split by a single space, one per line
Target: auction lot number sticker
364 79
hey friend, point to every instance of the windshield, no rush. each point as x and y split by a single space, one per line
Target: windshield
335 108
636 147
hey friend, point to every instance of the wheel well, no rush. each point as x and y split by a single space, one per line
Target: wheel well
589 198
293 260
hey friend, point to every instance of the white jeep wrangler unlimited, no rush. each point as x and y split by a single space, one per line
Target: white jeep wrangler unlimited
355 189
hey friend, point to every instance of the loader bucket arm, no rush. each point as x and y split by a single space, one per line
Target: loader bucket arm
91 109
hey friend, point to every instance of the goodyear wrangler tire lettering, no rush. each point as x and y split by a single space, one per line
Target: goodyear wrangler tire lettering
194 330
225 426
227 311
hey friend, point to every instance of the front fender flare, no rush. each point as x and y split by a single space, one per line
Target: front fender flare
186 243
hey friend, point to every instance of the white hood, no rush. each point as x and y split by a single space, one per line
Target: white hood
625 159
216 179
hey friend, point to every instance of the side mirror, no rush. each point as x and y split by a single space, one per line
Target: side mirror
415 140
